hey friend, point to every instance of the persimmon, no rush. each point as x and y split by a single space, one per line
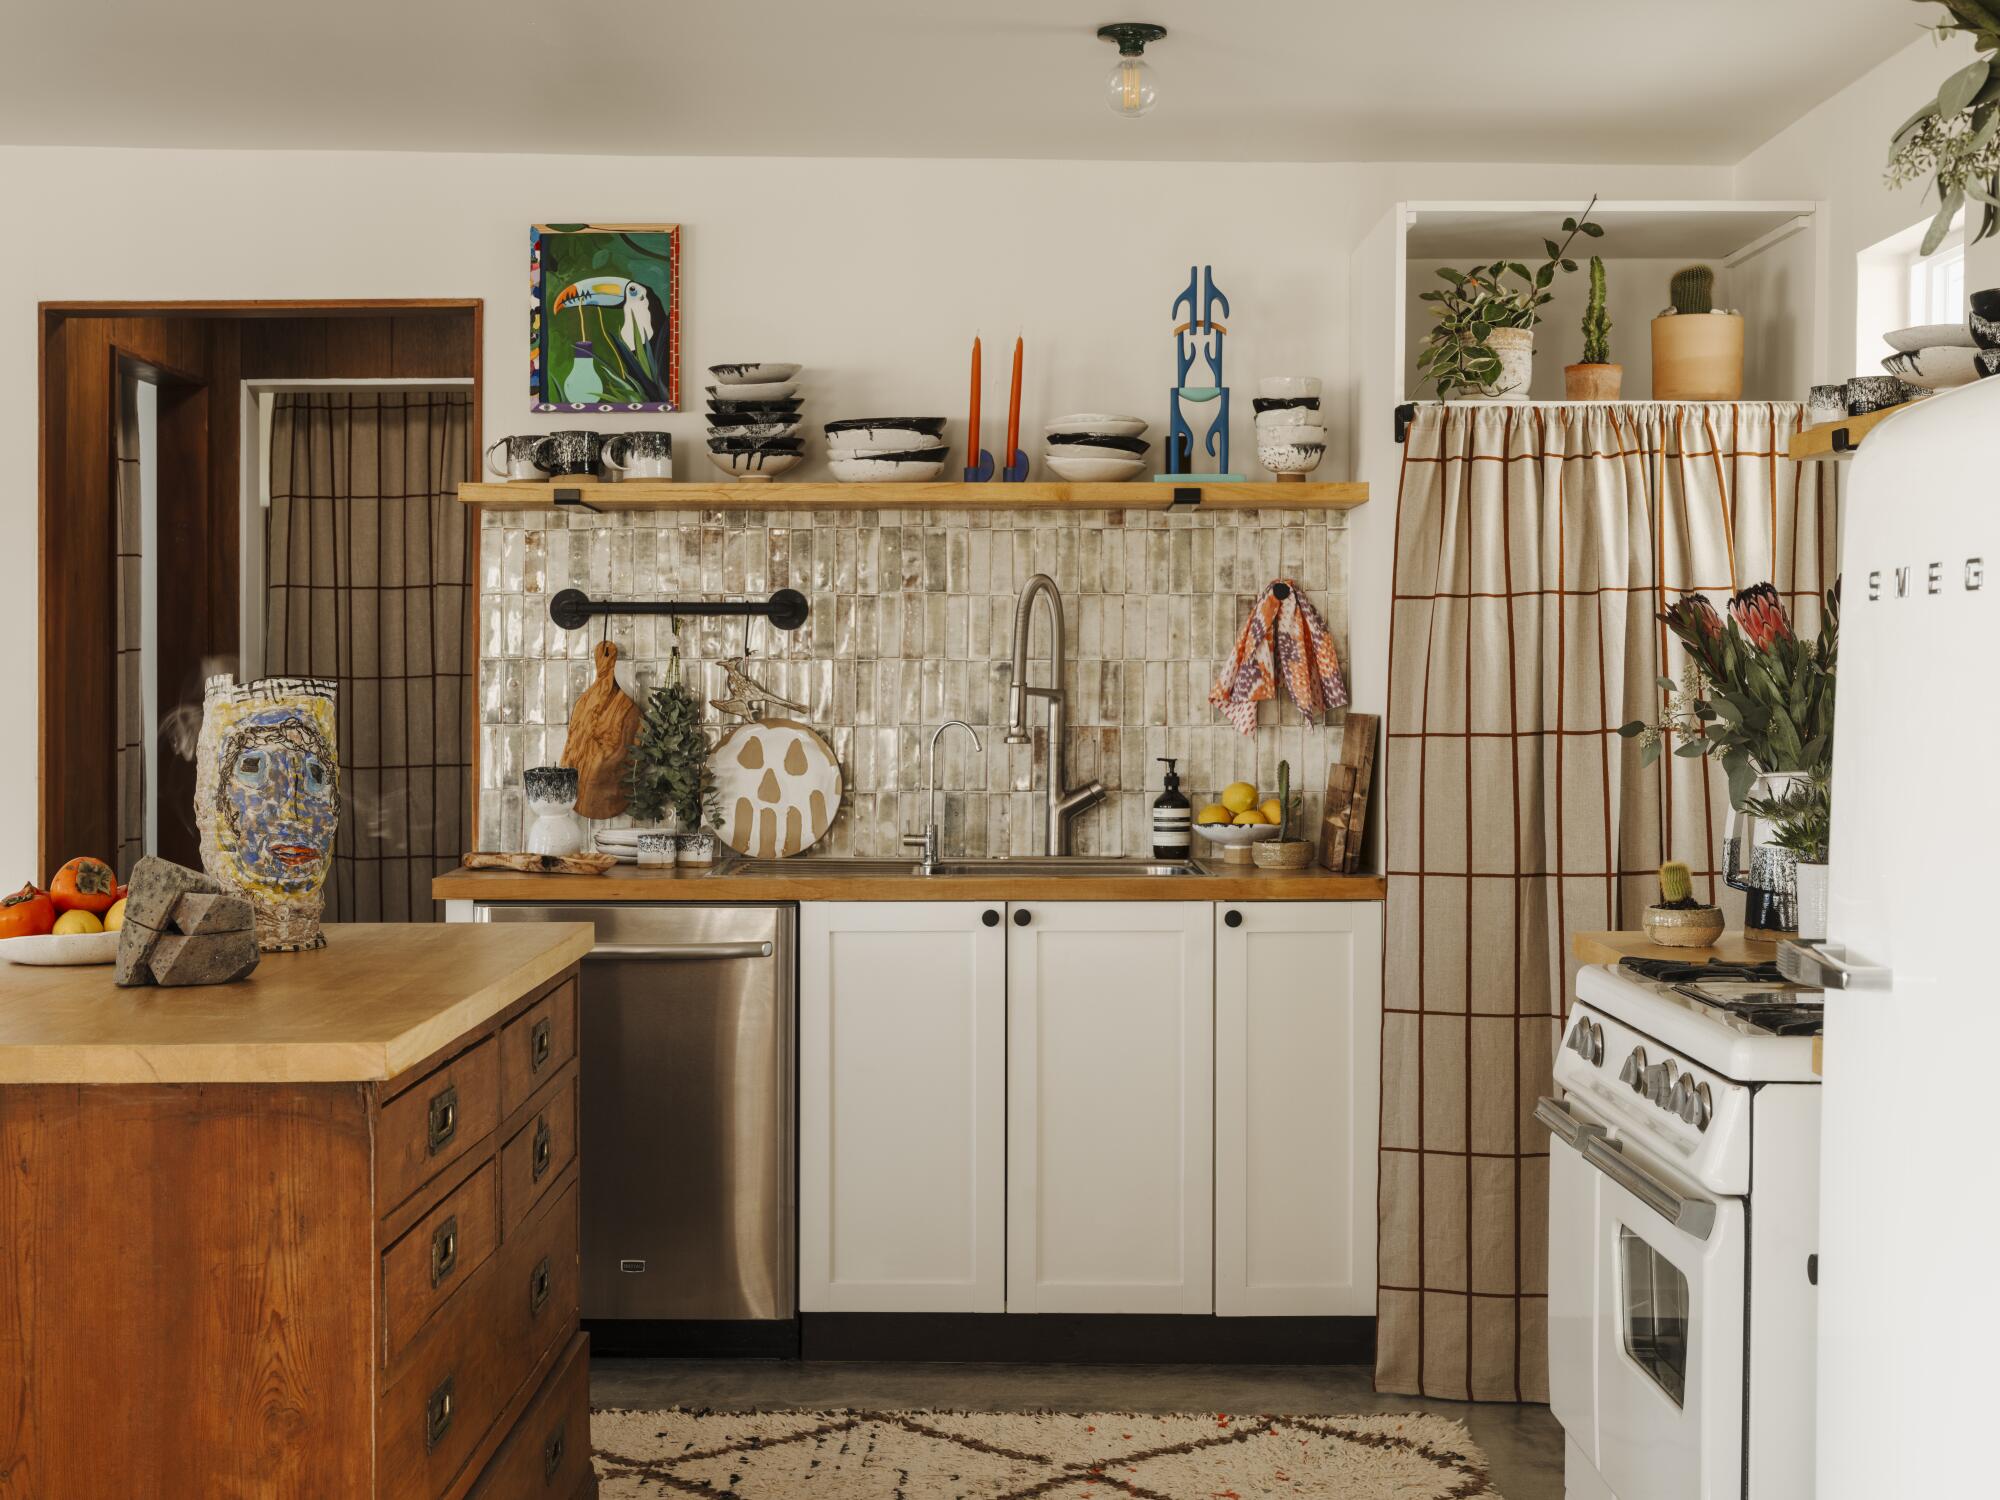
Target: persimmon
84 884
27 913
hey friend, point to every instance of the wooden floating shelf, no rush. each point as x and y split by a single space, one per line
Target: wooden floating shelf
649 494
1838 439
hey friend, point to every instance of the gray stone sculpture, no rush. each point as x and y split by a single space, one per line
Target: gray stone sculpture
183 927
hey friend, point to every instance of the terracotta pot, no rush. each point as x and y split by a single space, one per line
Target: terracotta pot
1516 350
1593 382
1698 357
1683 927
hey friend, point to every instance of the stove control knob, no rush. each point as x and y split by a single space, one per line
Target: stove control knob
1634 1071
1579 1039
1596 1044
1660 1082
1701 1107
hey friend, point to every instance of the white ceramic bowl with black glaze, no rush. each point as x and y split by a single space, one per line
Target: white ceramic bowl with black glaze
1983 322
1288 416
776 428
1942 369
1866 393
768 462
1280 387
1094 468
1930 336
909 467
912 444
882 432
1262 404
1108 442
1102 423
752 374
763 390
1291 458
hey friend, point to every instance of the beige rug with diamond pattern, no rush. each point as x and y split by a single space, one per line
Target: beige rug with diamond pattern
939 1455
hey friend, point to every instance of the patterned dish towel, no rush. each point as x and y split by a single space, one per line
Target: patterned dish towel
1281 623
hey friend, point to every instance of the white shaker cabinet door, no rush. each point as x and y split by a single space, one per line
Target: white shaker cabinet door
1298 1023
1110 1022
902 1106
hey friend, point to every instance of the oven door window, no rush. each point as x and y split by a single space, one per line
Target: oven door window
1654 1315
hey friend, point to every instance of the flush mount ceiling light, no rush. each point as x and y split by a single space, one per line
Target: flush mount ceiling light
1130 90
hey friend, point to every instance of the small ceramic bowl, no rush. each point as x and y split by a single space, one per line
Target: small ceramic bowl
752 374
1284 403
1930 336
1940 369
1091 450
1289 418
1236 835
1291 458
727 443
1094 469
889 468
658 850
748 411
1826 403
763 390
850 431
757 462
932 447
783 427
61 950
1104 440
1866 393
1103 424
1281 387
1983 323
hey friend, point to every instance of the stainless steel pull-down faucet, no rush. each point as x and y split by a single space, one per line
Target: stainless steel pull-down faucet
1060 803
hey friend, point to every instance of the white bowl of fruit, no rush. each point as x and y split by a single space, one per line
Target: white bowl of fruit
75 921
1237 819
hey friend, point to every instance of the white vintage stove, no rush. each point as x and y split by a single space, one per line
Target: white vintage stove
1683 1217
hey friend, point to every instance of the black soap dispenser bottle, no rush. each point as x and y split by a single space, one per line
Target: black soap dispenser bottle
1173 819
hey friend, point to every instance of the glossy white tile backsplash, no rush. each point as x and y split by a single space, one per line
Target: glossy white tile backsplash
912 624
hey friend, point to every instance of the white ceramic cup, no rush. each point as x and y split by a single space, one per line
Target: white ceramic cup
517 458
640 455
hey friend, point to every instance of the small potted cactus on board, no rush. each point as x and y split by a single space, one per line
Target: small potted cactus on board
1594 377
1697 350
1284 852
1678 920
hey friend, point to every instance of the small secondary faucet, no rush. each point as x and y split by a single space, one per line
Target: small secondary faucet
928 840
1060 804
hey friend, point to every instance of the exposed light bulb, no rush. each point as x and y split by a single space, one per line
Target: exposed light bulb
1131 91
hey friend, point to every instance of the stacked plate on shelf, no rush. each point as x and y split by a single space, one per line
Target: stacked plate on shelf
1094 447
886 450
753 419
1938 356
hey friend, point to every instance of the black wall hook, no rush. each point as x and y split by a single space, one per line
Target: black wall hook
787 609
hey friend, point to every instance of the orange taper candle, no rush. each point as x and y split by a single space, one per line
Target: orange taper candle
972 417
1013 412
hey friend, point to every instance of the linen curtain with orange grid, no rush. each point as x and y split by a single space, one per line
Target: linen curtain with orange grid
367 568
1534 546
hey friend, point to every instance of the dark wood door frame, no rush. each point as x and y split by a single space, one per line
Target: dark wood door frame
53 657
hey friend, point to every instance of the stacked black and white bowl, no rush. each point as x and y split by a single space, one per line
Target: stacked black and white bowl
753 419
1094 447
1291 437
886 450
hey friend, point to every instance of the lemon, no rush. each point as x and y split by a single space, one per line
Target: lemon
1215 812
1239 795
1272 812
115 918
78 921
1249 818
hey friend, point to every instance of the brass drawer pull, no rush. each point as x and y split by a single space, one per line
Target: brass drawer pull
443 1118
444 1250
438 1412
540 1045
552 1456
544 1150
538 1285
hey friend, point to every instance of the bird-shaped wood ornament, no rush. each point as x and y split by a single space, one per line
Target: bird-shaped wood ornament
746 696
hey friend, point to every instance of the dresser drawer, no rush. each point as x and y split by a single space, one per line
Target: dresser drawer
533 1158
431 1124
536 1044
547 1455
437 1256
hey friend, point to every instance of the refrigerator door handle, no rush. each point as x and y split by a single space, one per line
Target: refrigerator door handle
1692 1216
1825 965
680 950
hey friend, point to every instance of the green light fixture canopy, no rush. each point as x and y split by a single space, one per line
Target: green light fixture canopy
1130 90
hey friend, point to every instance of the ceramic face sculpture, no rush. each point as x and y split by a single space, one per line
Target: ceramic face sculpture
267 800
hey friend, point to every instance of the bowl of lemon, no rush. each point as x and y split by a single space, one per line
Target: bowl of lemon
1237 819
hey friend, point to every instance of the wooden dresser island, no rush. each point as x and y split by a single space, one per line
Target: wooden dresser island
309 1235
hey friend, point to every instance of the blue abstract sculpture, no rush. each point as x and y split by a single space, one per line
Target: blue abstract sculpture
1200 333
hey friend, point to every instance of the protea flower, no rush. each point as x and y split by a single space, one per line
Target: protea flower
1758 610
1692 618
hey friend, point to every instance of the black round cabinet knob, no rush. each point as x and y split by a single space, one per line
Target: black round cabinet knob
990 918
1232 919
1021 917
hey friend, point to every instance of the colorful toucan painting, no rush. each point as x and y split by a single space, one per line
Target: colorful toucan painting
605 320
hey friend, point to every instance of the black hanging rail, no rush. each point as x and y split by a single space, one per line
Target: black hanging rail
787 609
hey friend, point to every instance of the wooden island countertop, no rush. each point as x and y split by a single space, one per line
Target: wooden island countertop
378 999
718 883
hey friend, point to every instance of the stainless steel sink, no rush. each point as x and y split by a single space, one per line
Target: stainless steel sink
1085 865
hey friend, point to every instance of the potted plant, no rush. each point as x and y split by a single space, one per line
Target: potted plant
1594 377
1697 351
1483 346
1284 852
668 772
1677 920
1954 139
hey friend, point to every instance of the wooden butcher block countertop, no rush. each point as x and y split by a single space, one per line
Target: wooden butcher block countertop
379 998
630 883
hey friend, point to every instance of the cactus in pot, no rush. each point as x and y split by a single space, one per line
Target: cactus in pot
1595 377
1677 920
1284 852
1697 347
1692 290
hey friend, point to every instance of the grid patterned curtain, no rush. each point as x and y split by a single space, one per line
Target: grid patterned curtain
1534 546
367 560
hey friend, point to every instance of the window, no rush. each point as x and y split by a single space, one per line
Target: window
1898 287
1936 283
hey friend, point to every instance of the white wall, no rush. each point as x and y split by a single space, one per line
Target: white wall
874 274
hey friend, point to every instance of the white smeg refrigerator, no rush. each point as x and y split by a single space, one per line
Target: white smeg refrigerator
1909 1244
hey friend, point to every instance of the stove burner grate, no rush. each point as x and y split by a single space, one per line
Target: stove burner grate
1681 971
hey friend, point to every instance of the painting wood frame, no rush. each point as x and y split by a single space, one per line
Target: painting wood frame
622 285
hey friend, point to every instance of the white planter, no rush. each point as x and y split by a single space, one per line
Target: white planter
1812 882
1516 350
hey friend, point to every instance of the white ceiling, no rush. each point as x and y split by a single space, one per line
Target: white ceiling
1695 81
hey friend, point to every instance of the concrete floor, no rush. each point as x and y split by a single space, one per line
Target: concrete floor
1523 1443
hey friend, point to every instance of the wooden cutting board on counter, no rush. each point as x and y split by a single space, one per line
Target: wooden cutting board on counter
541 864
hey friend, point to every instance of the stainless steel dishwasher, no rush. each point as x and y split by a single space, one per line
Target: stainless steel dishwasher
688 1051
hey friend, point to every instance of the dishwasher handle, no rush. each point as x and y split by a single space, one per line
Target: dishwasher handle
681 950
